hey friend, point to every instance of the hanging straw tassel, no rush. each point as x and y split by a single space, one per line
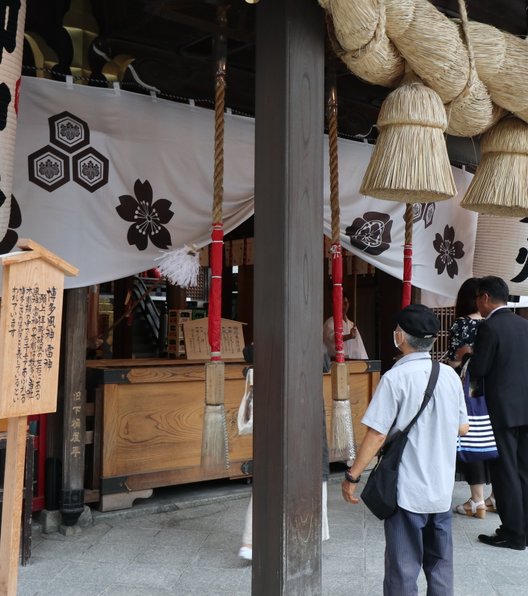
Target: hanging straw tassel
181 266
500 184
410 163
342 444
215 449
472 112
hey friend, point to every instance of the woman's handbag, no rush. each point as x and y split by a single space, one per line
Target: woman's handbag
380 492
245 410
479 443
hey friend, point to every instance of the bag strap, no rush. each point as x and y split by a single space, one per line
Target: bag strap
433 378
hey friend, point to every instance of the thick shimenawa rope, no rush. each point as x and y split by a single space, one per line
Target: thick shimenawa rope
464 19
434 46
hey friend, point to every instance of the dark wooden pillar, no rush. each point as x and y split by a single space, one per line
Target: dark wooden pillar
288 298
245 300
122 333
74 404
176 296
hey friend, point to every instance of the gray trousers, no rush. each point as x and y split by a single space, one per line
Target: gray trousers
413 541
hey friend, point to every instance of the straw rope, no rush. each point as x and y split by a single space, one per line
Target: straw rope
354 22
489 49
399 17
472 112
432 46
509 86
218 176
375 34
378 61
408 223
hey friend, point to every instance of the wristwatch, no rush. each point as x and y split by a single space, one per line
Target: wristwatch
350 478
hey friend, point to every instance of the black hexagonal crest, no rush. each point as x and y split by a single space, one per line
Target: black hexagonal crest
49 168
90 169
68 132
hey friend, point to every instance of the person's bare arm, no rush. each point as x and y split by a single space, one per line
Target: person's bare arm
463 429
370 445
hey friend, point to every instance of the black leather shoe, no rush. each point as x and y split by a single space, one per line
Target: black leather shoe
501 542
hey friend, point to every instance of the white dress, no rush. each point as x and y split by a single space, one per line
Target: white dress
354 348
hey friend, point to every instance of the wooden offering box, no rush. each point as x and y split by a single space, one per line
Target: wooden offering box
150 417
150 414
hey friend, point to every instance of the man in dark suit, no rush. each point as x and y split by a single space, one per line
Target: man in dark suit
500 357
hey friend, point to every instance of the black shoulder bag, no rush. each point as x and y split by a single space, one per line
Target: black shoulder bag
379 494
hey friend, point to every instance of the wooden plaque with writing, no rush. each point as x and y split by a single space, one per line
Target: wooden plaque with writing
30 328
197 339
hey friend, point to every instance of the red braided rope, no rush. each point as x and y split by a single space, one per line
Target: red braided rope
337 257
214 322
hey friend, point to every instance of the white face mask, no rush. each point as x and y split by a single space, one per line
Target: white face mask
396 344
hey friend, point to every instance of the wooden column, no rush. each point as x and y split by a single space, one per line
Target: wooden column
176 296
12 504
245 300
74 330
122 333
288 298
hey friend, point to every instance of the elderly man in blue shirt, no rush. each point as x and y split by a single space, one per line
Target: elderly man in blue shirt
418 534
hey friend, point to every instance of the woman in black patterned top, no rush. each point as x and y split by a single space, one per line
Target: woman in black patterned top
461 339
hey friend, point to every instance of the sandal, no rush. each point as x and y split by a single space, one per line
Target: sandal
472 509
491 504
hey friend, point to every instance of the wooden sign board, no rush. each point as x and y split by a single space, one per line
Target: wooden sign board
197 339
30 326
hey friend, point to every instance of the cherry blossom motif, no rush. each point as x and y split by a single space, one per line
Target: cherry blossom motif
449 250
10 239
146 216
371 233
